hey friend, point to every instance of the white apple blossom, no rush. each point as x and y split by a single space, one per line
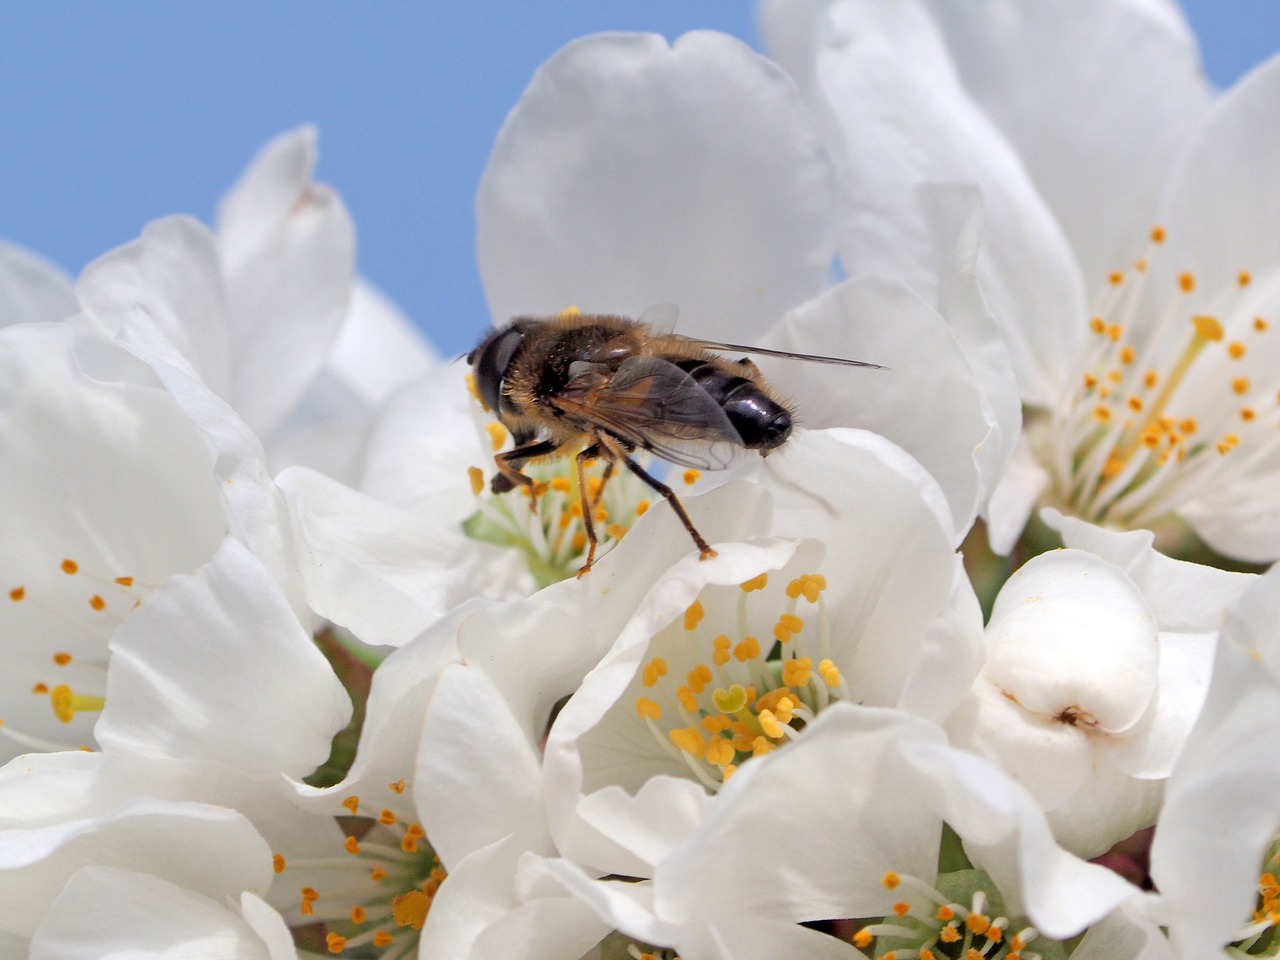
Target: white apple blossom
1096 664
1127 254
32 289
109 489
267 310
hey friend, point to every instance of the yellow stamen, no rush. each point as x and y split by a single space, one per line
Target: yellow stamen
1157 234
691 476
476 476
693 616
66 703
497 434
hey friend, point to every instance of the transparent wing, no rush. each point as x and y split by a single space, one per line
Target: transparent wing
651 404
785 354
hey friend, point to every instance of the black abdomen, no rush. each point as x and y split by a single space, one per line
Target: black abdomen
761 421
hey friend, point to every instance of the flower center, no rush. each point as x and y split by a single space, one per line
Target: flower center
749 698
1155 417
378 890
930 924
1259 937
75 610
544 524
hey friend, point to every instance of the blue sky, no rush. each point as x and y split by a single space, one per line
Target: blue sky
118 113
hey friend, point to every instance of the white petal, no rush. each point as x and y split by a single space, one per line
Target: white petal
383 573
1070 631
378 350
108 913
215 667
1185 597
32 289
265 193
1014 498
888 324
171 274
209 850
633 173
479 773
1124 933
1094 96
902 120
1220 814
1221 203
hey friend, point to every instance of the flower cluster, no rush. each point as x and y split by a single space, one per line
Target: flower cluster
982 662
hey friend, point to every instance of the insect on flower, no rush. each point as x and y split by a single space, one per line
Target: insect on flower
607 386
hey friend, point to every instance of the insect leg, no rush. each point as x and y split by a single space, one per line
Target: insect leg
588 505
509 463
613 447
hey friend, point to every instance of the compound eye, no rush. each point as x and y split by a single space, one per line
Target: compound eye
490 362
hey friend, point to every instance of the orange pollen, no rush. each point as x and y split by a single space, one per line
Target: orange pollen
949 934
336 942
386 818
277 863
377 873
1115 332
1128 354
70 567
891 880
1150 379
125 581
1101 413
1260 324
352 804
901 908
1097 325
17 593
383 939
352 846
1186 282
62 659
40 689
358 915
946 914
97 602
1240 385
1157 234
1135 404
397 787
1116 278
1090 381
1236 350
1244 278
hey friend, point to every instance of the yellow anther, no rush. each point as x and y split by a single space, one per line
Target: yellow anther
1240 385
642 507
829 673
720 752
1114 332
721 650
716 723
358 915
647 709
788 625
476 476
1157 234
1207 327
410 909
61 658
1151 437
1150 379
473 390
891 880
1128 354
1140 265
351 845
579 542
862 939
699 677
1186 282
1112 468
336 942
387 818
409 843
1260 324
615 530
688 700
569 312
352 804
1090 381
809 585
796 672
561 485
1097 325
748 649
1188 426
1115 278
770 724
1236 350
654 670
278 863
730 701
1135 404
949 934
755 583
497 434
1244 278
689 740
1115 376
69 566
901 908
693 616
377 874
945 914
97 602
17 593
977 922
691 476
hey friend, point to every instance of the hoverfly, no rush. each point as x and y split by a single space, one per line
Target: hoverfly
607 386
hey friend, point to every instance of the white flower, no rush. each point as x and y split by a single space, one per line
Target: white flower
1095 669
1128 254
32 289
